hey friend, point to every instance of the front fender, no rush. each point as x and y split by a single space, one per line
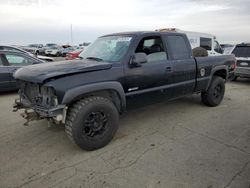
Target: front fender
74 93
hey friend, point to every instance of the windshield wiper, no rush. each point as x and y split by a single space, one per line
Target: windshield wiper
94 58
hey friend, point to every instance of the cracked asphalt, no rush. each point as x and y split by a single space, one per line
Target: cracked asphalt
176 144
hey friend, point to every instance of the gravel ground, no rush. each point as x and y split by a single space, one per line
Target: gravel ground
179 144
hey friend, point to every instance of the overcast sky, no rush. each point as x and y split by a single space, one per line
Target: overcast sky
42 21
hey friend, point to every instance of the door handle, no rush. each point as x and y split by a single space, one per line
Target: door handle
168 69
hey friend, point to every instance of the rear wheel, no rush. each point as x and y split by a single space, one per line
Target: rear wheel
91 123
215 93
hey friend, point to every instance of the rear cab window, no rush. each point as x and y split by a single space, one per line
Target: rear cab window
179 47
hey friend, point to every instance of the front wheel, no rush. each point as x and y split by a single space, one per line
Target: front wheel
215 93
92 122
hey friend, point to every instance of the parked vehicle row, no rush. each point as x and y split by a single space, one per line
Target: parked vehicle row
52 49
34 49
16 49
74 54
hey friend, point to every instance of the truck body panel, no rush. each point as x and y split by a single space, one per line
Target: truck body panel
169 67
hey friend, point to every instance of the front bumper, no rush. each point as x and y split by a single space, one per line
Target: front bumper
242 72
33 112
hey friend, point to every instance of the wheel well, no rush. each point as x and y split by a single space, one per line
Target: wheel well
222 73
110 94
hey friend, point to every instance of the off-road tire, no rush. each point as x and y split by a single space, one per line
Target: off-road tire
215 93
78 114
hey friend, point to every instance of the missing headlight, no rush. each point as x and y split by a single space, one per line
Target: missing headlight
48 97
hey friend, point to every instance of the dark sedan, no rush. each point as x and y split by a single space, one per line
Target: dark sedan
10 61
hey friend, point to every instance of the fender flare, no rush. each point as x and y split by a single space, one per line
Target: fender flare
215 69
74 93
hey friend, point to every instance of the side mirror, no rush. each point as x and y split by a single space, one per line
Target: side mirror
138 59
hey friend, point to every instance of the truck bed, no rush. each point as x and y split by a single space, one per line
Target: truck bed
208 65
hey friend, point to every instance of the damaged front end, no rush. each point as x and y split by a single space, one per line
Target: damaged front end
39 102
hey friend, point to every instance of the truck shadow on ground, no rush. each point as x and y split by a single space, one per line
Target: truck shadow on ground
156 102
242 81
8 93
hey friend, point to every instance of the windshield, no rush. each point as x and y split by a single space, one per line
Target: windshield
110 48
241 51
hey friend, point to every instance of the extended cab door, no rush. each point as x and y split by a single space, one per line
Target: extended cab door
151 74
182 80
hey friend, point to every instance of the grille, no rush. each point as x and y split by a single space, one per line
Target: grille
38 95
31 91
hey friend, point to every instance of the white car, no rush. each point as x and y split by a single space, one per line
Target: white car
34 48
206 41
54 51
13 48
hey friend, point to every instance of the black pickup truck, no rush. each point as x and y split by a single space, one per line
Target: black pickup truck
87 95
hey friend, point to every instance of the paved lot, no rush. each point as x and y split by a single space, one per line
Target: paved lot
180 144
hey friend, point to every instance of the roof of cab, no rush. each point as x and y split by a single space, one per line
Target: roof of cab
138 33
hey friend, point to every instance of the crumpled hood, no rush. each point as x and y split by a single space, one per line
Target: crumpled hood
41 72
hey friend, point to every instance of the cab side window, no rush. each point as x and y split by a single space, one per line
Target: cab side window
17 60
153 47
206 43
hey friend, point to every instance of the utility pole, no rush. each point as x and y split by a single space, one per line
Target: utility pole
71 34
